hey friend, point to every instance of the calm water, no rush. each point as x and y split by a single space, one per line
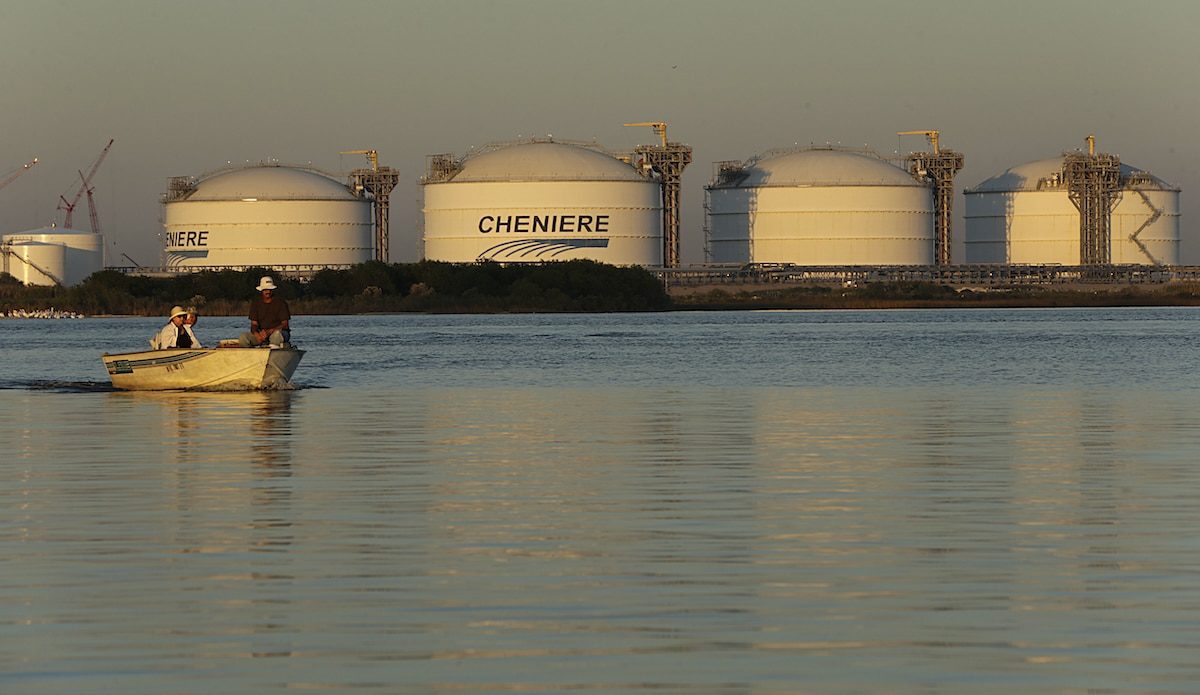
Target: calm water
748 502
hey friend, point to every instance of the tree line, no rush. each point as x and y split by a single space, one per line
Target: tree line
374 286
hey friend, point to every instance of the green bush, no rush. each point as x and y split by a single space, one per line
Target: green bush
373 286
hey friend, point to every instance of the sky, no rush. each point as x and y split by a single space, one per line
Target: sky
184 88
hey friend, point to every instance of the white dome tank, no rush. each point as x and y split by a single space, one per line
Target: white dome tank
820 206
51 255
1025 216
265 215
542 201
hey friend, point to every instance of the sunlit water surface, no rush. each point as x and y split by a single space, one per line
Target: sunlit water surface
744 502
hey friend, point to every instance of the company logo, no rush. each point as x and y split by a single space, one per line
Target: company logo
554 224
544 249
177 258
189 238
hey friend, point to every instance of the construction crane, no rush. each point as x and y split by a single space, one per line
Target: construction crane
18 172
70 206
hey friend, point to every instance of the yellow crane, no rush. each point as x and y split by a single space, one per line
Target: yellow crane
660 129
931 135
371 155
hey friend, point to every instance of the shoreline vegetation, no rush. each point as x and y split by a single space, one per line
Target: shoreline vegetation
928 295
564 286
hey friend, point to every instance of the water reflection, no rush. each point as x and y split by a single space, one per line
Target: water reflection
218 451
487 519
202 428
270 422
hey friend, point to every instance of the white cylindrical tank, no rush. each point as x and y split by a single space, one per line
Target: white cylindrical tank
266 215
1025 216
52 255
820 206
543 201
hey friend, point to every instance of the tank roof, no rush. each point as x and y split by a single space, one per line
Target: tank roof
270 182
545 161
49 231
1028 177
825 167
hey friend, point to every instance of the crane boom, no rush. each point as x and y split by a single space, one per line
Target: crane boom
92 208
930 135
371 155
18 172
70 206
660 129
88 179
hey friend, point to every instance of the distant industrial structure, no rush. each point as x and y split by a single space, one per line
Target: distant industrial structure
52 255
268 215
538 201
938 167
819 206
1082 208
788 212
542 199
57 255
667 160
825 206
376 184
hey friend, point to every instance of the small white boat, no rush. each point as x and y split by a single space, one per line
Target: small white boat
220 368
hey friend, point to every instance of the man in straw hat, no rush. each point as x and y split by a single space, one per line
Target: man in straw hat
175 334
269 318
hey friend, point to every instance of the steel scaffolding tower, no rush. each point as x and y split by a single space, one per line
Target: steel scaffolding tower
376 183
939 168
1093 184
669 160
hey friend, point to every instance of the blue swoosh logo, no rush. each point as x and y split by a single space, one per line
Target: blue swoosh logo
539 248
179 257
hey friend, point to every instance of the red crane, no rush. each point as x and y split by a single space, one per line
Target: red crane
70 206
92 208
18 172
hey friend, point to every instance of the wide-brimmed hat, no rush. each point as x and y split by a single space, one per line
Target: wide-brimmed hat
178 311
266 283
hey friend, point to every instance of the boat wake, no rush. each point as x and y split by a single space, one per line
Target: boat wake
106 387
58 386
242 388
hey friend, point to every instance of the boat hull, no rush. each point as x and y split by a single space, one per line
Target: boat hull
226 368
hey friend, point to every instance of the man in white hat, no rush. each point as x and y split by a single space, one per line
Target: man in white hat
269 317
175 334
